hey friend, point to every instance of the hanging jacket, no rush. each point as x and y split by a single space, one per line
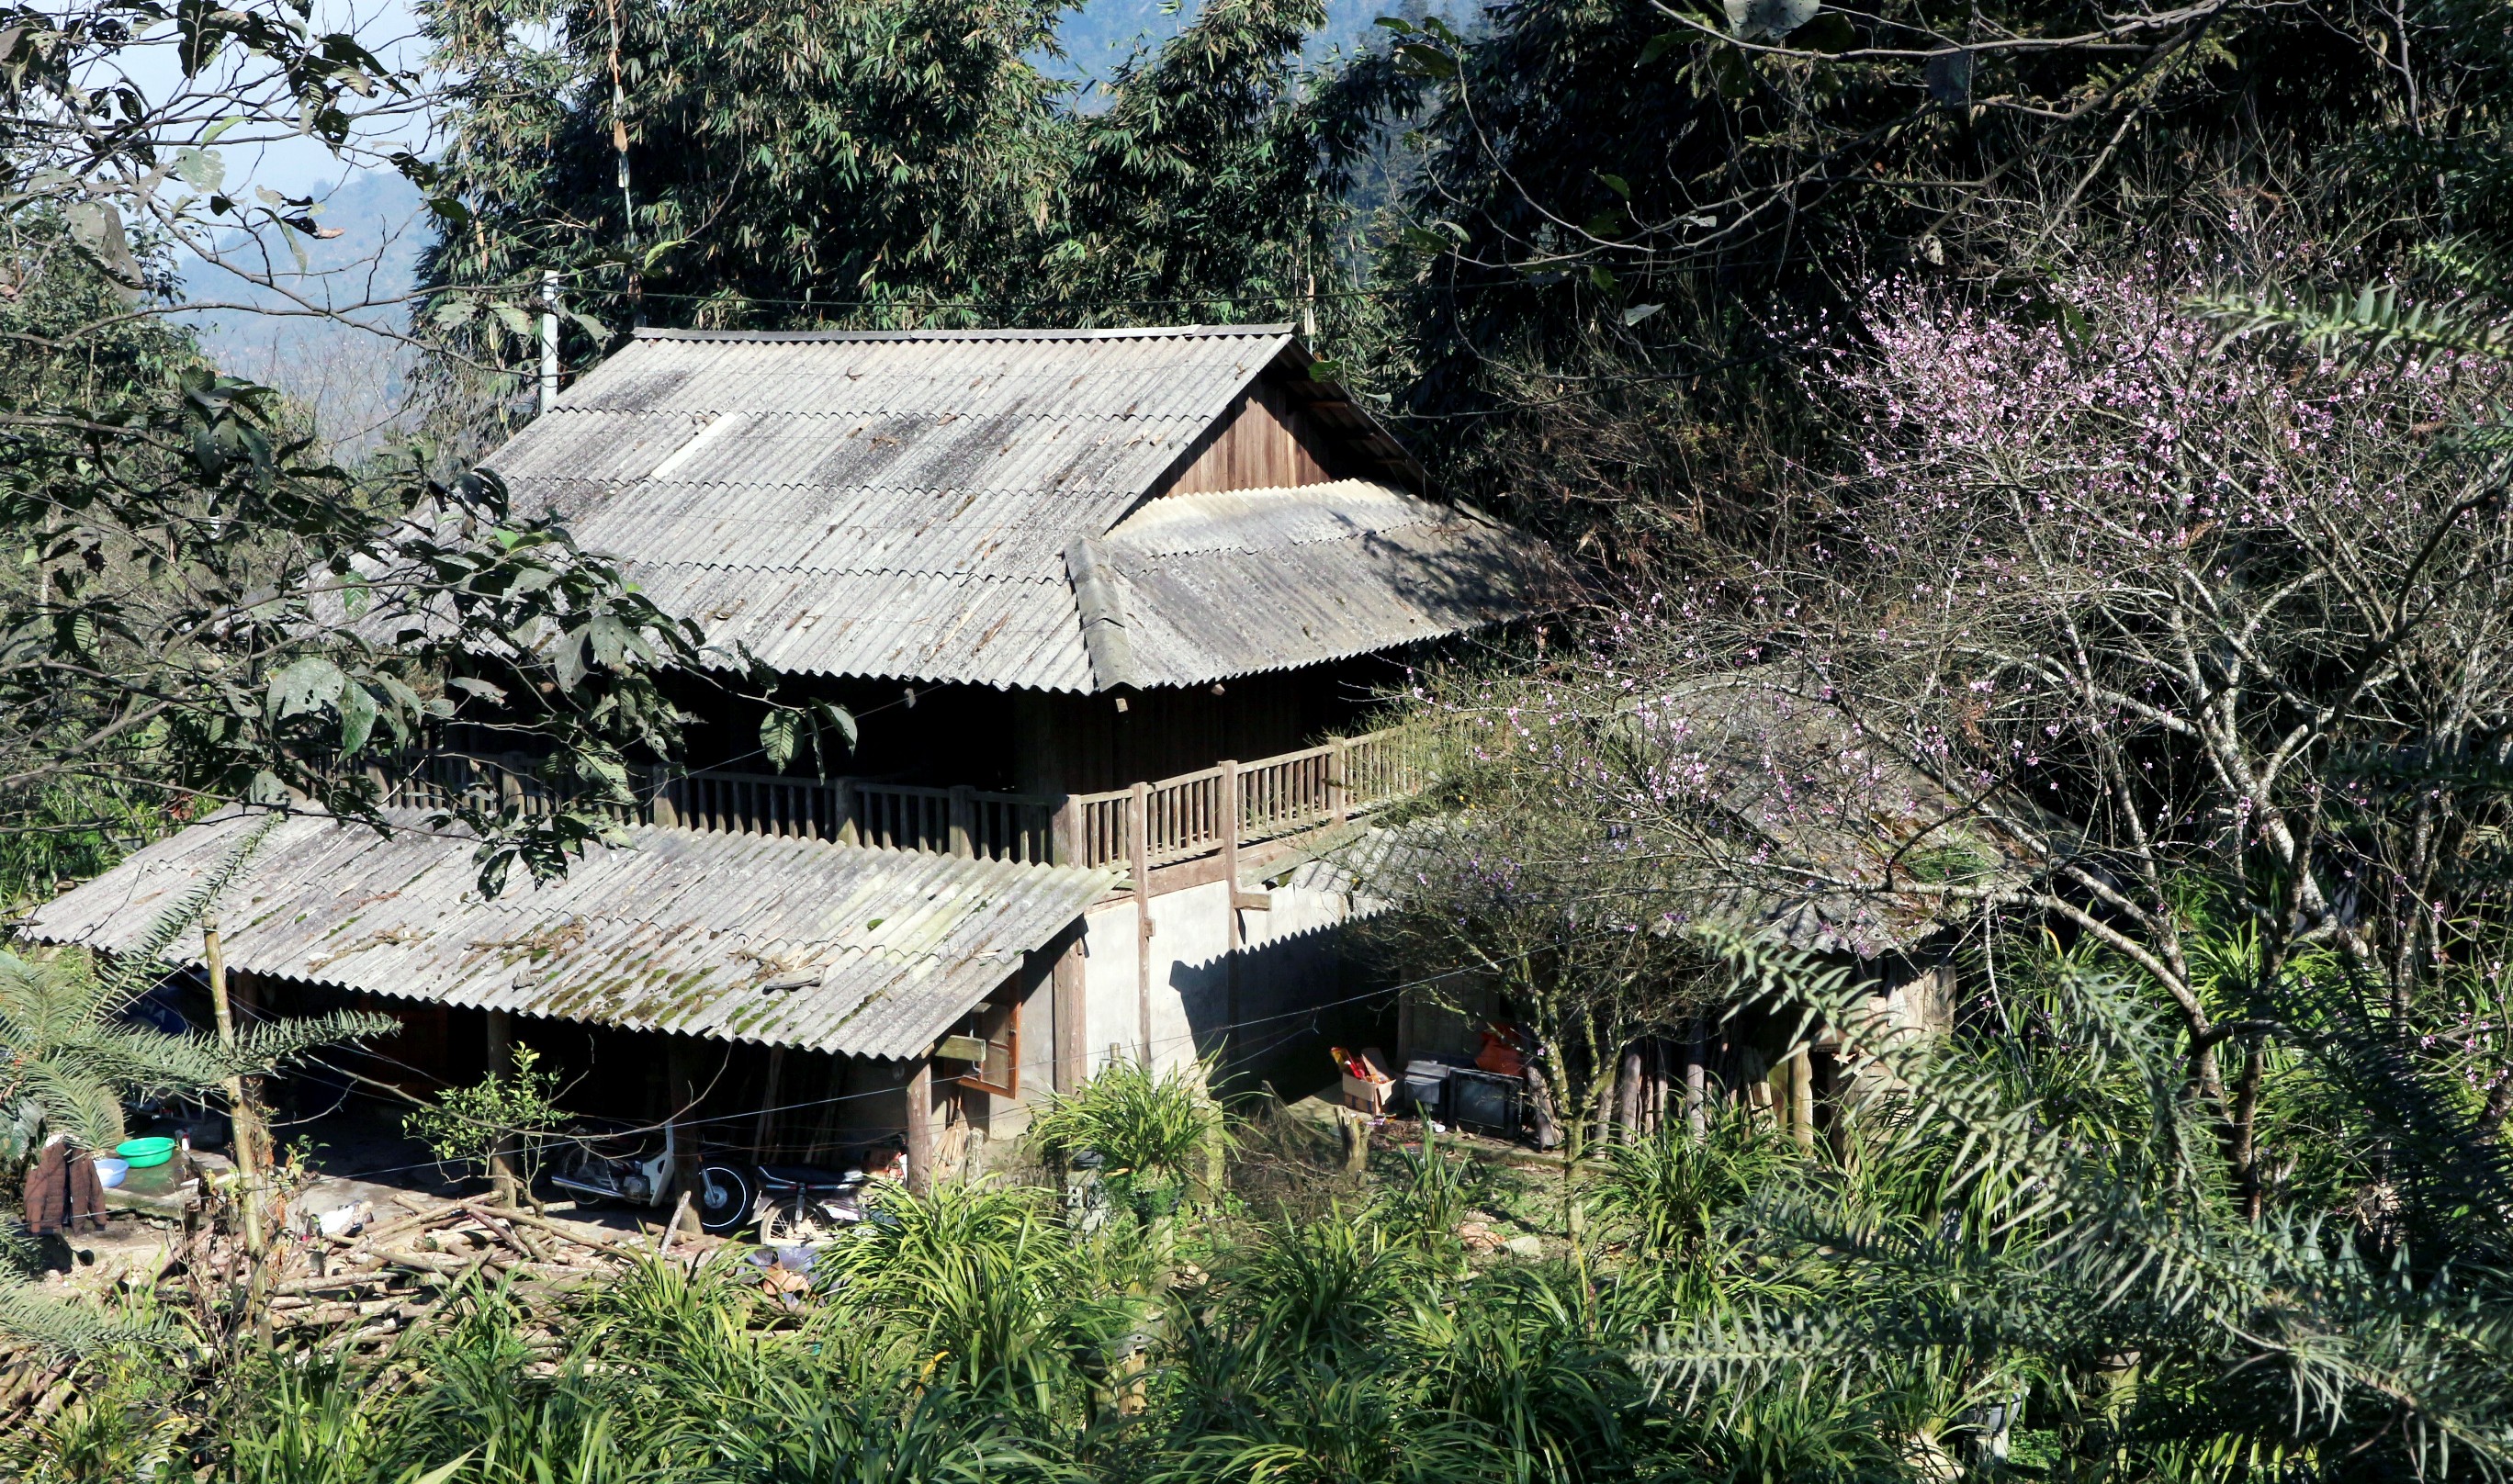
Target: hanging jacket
62 1192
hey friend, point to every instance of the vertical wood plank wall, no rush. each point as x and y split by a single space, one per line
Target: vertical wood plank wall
1266 444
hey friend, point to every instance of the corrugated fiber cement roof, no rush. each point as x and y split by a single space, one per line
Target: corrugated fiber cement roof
1233 583
694 933
888 505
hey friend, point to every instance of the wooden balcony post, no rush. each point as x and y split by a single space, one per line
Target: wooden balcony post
1140 858
1339 780
1065 833
1230 825
920 1127
660 806
964 812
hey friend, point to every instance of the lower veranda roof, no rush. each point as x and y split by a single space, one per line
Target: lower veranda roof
787 941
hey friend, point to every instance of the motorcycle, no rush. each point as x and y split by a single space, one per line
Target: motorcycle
723 1196
801 1206
792 1205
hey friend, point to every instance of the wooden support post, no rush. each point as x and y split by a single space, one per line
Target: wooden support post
501 1064
849 833
1338 785
245 1137
920 1127
1658 1102
964 811
660 807
680 1084
767 1122
1236 938
1068 985
1139 851
1627 1107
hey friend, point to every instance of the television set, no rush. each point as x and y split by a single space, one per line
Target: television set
1485 1102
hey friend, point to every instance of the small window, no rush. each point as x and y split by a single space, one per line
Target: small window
996 1025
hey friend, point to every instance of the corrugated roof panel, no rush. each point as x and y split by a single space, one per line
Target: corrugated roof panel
891 626
681 933
1253 521
1247 581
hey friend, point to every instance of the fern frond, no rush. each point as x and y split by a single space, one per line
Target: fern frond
29 1317
88 1111
2359 328
275 1043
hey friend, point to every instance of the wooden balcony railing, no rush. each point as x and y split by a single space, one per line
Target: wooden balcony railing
1216 810
956 821
1235 804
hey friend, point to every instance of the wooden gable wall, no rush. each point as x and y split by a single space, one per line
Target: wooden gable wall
1266 442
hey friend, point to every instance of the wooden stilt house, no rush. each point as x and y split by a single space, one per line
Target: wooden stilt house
1111 605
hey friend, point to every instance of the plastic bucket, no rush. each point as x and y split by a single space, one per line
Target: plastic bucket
109 1170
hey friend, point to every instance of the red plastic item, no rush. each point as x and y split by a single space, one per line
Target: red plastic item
1500 1055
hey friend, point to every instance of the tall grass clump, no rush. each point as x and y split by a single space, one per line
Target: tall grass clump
1155 1133
1138 1121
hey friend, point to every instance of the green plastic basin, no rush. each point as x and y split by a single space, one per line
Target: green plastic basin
146 1153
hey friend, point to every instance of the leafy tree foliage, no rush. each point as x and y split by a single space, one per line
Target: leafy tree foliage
204 607
1618 211
874 166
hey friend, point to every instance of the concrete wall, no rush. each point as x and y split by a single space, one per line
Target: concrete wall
1290 963
1287 974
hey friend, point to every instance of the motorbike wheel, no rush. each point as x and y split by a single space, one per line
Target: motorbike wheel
726 1199
782 1224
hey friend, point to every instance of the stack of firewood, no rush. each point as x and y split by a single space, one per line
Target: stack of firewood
360 1288
354 1290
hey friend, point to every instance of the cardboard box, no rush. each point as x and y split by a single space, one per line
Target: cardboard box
1369 1093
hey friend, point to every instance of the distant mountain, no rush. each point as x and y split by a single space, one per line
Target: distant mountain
324 332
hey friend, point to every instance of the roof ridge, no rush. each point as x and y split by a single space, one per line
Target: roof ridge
1149 332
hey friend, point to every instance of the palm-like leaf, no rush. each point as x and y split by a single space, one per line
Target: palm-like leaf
2060 1249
